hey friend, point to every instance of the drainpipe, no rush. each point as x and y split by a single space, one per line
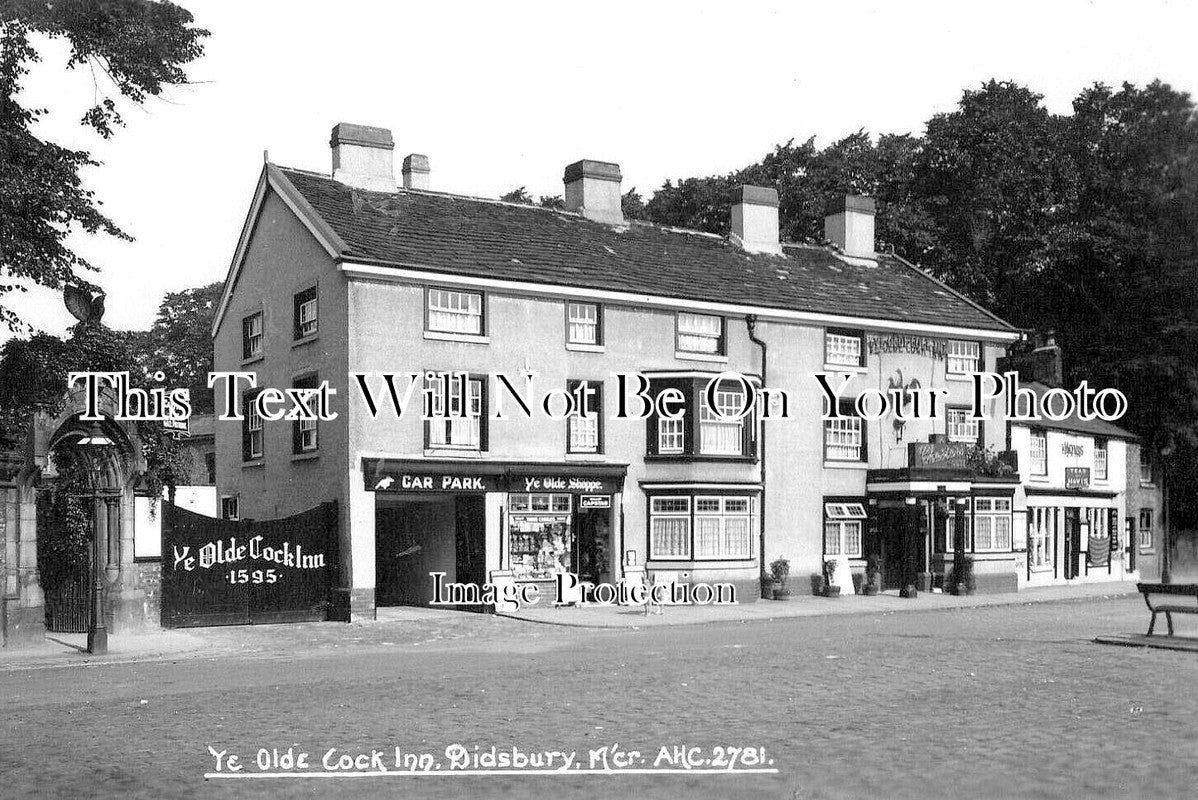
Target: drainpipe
751 325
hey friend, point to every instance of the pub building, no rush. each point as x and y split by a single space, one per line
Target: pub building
355 272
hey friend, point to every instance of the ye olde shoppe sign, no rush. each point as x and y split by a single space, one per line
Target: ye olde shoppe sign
383 475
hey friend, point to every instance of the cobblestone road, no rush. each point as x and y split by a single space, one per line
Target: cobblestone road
991 702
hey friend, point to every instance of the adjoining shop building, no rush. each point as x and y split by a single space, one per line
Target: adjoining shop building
352 273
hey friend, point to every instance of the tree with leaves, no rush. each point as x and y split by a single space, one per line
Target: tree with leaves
135 49
180 341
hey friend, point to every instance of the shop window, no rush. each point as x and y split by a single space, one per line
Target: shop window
844 436
1039 453
992 524
539 535
700 333
251 428
452 311
1041 537
228 507
584 323
1145 538
304 431
843 524
305 313
705 527
722 527
961 428
584 428
251 336
1145 468
963 358
844 348
1100 459
460 419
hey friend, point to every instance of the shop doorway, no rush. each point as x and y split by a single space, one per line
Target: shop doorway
417 535
901 545
593 545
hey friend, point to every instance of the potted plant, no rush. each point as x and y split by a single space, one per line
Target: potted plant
965 578
873 577
779 572
830 588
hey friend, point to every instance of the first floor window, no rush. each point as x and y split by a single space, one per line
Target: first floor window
843 524
251 336
1145 528
455 312
960 427
844 436
1039 453
228 507
582 324
1041 537
458 412
721 434
844 348
701 527
991 523
210 467
251 430
584 426
700 333
670 435
305 313
1145 468
1100 459
304 434
963 357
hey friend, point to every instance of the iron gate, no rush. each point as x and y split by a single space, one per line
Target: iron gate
68 604
231 572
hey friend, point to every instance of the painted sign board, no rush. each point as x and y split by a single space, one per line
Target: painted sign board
594 501
1077 477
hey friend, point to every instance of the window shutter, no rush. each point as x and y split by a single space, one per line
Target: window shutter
297 301
484 430
651 422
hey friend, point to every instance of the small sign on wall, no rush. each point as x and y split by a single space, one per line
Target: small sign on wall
1077 477
594 501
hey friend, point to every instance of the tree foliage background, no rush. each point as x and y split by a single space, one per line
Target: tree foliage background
134 49
1085 224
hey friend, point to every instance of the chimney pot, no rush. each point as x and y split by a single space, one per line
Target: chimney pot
415 171
849 224
362 157
755 219
592 188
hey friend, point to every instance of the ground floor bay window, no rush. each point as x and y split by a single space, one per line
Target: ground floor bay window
701 527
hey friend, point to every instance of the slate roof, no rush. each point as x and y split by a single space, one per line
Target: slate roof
1074 424
490 239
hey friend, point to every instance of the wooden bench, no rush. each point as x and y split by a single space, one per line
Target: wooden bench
1168 609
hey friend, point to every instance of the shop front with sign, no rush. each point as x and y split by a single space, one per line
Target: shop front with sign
471 520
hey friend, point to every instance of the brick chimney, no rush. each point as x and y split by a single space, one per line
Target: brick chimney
593 189
849 225
362 157
755 220
1041 365
415 172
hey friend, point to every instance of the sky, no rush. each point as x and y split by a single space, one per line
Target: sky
505 94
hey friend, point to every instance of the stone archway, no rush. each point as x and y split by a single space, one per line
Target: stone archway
114 472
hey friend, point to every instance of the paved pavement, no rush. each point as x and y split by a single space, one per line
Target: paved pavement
613 616
985 702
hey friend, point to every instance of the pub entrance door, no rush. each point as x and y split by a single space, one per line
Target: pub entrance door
1073 543
901 544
